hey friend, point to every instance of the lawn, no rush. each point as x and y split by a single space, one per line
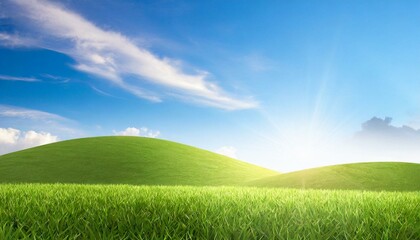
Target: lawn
60 211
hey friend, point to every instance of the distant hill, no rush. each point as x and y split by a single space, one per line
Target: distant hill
390 176
125 160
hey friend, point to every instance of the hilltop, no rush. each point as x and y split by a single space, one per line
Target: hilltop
377 176
125 160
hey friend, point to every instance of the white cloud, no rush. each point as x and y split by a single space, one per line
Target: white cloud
12 139
23 79
130 131
57 79
149 133
9 135
13 40
18 117
142 132
18 112
114 57
32 138
228 151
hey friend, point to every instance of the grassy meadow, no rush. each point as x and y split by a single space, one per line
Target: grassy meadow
59 211
142 188
125 160
372 176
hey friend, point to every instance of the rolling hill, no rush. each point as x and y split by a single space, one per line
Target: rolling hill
125 160
147 161
377 176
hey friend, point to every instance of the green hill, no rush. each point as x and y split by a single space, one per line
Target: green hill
125 160
390 176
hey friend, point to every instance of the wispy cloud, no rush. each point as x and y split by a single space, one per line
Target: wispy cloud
14 78
114 57
18 112
14 40
57 79
101 92
139 132
24 118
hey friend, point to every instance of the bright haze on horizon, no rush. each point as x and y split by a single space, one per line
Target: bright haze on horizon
282 84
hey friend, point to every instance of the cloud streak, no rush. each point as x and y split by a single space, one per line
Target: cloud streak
22 79
114 57
18 112
14 40
19 117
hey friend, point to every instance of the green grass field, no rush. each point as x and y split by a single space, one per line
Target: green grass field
254 203
146 161
153 212
378 176
125 160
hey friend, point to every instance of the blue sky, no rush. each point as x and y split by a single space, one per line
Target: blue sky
275 83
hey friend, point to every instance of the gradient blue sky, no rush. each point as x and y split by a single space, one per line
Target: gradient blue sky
276 83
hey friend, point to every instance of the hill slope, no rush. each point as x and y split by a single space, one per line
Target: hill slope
390 176
125 160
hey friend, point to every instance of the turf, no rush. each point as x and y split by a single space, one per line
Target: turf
378 176
173 212
125 160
